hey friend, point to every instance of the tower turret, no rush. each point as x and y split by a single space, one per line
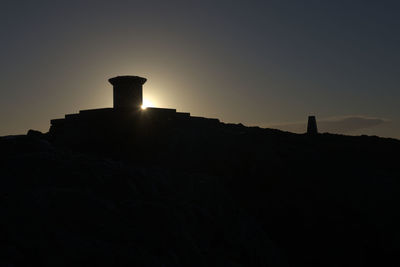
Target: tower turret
128 91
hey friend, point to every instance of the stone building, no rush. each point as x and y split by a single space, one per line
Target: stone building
125 123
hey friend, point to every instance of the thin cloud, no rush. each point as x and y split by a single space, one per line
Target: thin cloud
350 124
343 124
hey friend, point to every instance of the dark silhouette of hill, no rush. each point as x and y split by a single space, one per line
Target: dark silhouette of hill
124 186
200 194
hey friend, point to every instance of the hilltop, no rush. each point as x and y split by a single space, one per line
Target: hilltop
201 195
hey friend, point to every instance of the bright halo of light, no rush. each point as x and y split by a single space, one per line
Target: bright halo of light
146 103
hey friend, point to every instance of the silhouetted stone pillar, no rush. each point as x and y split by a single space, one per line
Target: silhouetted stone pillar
128 91
312 126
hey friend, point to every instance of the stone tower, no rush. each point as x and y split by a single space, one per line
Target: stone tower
312 126
128 91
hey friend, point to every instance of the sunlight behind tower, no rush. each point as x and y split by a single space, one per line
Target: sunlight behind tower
147 103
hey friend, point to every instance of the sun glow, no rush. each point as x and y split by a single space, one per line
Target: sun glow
146 103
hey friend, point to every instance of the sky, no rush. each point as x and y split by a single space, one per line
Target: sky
260 63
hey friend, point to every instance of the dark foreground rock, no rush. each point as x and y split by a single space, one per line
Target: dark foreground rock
235 196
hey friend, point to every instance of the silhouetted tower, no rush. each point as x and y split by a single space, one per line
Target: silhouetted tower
312 126
128 91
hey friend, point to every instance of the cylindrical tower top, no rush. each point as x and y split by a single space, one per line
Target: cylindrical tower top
128 91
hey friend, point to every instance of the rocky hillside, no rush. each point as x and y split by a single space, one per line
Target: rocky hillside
227 196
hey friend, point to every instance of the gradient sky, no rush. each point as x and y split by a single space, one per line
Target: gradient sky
265 63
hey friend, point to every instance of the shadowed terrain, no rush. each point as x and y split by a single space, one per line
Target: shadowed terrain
216 195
